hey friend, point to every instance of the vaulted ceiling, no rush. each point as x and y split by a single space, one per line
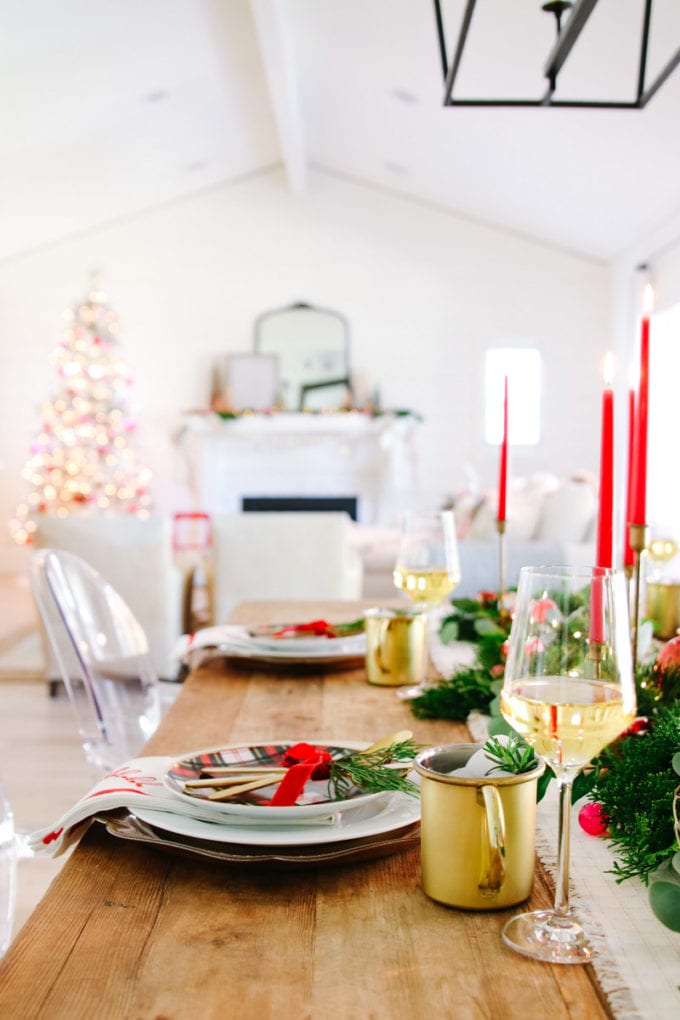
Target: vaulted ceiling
111 107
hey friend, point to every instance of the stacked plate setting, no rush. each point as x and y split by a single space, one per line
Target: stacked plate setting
315 830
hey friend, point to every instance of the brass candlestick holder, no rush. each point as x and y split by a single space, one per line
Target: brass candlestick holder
500 528
596 653
638 537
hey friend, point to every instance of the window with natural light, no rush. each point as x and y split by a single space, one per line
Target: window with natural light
522 366
663 478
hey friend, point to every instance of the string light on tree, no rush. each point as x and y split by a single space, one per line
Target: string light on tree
84 458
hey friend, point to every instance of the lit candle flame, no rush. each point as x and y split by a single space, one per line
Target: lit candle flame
608 368
648 299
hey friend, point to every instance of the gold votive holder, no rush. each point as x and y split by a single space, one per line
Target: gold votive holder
663 606
397 646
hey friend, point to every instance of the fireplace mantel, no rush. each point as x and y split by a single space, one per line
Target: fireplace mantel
305 455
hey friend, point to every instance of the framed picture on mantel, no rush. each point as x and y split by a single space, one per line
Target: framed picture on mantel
249 382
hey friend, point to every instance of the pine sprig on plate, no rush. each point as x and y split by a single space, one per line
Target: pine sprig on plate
374 771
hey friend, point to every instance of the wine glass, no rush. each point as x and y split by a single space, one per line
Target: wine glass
427 567
568 691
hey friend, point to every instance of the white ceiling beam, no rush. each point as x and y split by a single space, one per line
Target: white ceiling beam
272 26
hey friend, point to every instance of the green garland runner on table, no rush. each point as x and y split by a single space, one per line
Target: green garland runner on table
471 688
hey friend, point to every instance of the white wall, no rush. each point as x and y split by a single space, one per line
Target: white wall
425 293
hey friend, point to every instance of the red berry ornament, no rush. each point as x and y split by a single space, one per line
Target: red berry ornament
669 656
592 820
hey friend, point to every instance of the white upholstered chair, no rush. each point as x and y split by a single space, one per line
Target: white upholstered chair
282 555
103 657
136 557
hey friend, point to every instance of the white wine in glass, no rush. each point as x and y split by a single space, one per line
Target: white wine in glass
427 566
568 691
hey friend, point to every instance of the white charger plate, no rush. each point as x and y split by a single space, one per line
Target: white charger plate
385 813
191 766
236 641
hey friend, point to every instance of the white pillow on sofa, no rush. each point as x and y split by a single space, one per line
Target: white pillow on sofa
525 503
567 513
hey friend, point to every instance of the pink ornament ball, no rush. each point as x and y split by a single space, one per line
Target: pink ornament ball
592 820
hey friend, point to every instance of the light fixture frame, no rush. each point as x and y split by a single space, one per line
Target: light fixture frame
566 38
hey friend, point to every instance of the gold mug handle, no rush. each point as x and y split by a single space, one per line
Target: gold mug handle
493 848
383 666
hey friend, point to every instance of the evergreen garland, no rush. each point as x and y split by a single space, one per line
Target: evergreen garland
634 785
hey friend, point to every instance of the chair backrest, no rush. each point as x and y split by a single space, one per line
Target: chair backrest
279 555
8 871
103 657
136 557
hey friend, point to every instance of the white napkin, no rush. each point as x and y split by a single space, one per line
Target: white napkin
226 635
478 765
136 784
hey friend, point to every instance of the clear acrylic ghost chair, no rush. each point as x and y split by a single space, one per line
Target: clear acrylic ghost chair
103 656
9 854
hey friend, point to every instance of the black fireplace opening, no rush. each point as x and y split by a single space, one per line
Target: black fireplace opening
299 503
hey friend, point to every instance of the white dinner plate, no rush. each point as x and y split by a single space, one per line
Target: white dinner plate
385 813
313 803
354 644
313 650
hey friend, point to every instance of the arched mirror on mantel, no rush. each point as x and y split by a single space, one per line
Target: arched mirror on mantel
312 348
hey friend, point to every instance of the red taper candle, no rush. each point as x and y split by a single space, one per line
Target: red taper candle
503 476
639 500
628 554
605 517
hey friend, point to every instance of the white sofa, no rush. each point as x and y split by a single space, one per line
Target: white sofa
548 522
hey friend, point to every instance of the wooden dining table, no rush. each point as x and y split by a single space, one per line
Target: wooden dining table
129 931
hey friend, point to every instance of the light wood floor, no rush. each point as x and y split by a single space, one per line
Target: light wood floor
42 764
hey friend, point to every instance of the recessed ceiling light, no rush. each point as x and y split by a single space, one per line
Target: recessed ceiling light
404 96
156 96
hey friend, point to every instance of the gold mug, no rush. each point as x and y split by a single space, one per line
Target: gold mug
477 834
397 649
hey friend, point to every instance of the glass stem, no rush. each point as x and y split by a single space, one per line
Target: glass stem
564 785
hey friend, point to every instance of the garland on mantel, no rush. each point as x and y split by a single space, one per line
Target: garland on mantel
632 787
399 412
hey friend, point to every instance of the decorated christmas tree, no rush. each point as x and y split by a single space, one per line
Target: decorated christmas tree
84 458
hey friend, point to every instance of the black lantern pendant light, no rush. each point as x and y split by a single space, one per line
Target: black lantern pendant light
570 18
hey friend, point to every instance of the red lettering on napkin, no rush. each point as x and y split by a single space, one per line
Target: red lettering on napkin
51 836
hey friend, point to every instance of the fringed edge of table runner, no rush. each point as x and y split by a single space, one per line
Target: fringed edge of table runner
606 967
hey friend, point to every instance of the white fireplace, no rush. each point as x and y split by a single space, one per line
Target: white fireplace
342 455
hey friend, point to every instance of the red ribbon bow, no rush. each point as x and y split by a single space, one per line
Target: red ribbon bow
304 762
319 628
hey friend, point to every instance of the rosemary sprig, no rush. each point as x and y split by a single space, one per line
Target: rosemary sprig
374 771
514 756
